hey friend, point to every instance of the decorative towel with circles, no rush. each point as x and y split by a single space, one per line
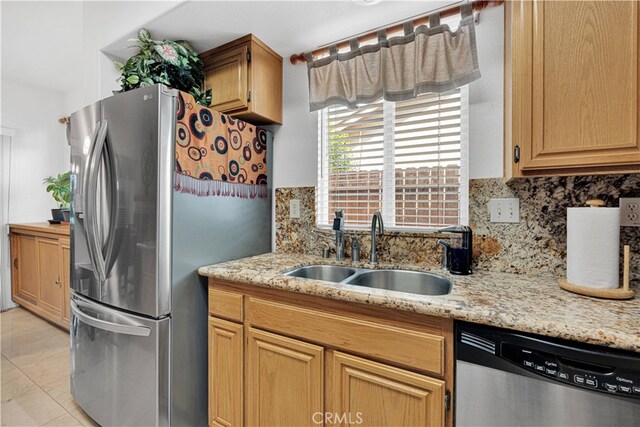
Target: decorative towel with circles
217 155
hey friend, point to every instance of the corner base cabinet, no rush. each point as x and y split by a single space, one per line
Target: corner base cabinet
40 270
286 359
572 96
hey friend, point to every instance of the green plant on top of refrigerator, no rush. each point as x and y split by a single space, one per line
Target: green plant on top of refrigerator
173 63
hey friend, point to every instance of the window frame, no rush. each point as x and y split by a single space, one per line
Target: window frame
388 172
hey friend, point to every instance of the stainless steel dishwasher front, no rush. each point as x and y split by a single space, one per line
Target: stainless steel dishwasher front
506 378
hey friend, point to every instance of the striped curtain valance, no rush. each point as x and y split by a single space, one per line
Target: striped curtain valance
425 59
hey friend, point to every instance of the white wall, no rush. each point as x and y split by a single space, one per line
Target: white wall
102 23
5 258
486 98
296 141
39 147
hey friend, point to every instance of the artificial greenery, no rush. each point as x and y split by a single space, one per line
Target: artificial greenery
173 63
59 187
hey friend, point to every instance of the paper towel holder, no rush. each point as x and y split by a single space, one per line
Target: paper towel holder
619 293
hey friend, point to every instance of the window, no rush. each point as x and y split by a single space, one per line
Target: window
406 159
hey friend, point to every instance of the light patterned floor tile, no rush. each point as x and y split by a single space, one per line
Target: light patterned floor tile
18 386
46 366
65 420
35 387
31 409
8 371
59 390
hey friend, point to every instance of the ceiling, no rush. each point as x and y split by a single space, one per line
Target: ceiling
42 42
286 26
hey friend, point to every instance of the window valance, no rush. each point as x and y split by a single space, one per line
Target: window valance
425 59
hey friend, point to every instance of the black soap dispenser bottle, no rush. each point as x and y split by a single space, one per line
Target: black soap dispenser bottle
460 254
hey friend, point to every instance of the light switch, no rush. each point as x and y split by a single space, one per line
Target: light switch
294 208
505 210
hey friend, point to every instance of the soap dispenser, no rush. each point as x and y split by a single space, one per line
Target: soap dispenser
459 254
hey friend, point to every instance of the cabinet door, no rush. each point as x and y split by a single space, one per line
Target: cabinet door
25 268
225 372
226 76
284 381
373 394
50 276
65 251
584 84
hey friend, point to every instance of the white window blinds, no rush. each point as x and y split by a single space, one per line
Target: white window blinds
406 159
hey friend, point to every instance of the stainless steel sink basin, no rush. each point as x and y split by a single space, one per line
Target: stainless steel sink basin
413 282
330 273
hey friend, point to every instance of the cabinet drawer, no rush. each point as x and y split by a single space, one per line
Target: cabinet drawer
416 349
227 305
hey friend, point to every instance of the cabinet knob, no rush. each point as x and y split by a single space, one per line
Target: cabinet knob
15 263
58 282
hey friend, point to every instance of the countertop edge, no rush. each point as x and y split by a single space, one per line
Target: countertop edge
458 310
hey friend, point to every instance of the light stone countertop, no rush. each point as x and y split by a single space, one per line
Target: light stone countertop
519 302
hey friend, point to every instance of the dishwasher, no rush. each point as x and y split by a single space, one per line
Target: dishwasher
508 378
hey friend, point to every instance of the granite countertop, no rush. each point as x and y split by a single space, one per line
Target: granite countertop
525 303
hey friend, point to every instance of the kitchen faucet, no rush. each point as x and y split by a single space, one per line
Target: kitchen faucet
338 227
446 258
375 220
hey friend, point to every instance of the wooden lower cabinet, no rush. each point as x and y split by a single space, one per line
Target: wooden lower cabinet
24 266
49 258
226 346
297 360
40 270
368 393
284 380
65 249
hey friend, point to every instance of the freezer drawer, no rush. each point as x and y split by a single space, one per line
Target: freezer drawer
119 365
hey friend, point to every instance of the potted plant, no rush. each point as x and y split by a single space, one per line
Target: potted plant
173 63
60 190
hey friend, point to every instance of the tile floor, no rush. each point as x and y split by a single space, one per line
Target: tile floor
35 373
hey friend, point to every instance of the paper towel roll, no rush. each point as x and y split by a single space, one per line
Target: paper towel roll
593 245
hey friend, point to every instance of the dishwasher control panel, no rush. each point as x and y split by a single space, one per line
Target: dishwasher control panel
575 372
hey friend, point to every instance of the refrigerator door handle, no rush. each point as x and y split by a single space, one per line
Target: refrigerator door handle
89 196
118 328
110 241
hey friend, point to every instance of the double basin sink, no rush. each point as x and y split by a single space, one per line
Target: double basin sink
413 282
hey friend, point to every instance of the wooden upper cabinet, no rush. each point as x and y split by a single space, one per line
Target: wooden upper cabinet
226 76
571 87
245 77
375 394
284 380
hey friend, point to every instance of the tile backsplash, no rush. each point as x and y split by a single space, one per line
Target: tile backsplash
536 245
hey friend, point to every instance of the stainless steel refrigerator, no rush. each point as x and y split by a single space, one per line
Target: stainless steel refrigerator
138 306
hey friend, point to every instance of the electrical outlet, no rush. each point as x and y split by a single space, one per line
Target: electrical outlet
294 208
630 212
505 210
